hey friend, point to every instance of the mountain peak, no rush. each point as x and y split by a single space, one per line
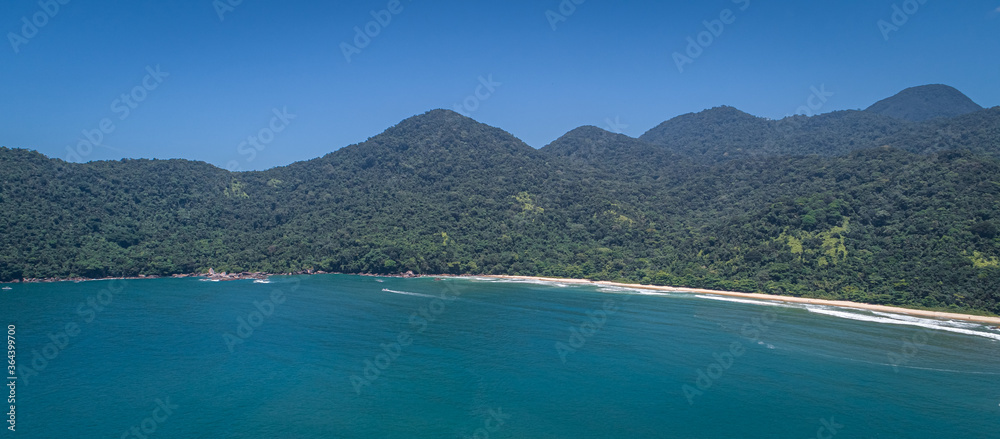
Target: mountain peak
586 137
438 116
440 125
431 140
926 102
724 115
698 134
726 110
588 131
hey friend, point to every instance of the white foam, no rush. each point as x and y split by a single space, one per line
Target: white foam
968 372
953 323
482 279
874 317
406 293
769 345
552 283
654 293
909 321
749 301
628 290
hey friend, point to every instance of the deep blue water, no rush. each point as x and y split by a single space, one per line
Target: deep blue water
489 359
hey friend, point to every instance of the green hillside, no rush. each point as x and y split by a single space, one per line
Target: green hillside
906 215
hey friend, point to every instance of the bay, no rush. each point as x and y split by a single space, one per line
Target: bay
338 356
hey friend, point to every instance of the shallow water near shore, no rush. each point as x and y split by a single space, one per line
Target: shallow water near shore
352 357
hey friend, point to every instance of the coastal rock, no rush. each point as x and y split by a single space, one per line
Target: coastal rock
224 276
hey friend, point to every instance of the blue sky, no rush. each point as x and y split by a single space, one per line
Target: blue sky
603 63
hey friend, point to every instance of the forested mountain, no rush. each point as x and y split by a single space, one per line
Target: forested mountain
617 154
978 132
852 205
721 133
926 102
726 133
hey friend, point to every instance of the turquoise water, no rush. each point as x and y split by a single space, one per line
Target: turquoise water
480 358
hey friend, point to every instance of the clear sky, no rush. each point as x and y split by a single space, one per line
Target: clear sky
200 77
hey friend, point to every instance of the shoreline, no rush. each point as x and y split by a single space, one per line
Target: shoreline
222 276
995 321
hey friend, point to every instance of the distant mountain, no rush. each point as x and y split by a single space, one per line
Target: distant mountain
920 119
591 144
926 102
611 152
726 133
716 134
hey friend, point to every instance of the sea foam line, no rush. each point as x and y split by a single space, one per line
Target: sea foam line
930 324
749 301
406 293
876 317
895 319
536 282
952 323
627 290
550 283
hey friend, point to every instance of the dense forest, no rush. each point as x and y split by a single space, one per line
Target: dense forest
855 205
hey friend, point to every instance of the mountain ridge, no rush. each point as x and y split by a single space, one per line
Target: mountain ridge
851 205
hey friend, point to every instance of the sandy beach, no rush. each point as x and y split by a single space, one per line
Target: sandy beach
838 303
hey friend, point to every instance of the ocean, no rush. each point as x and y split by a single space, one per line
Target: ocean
339 356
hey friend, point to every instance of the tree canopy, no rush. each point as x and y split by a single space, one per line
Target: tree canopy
850 205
